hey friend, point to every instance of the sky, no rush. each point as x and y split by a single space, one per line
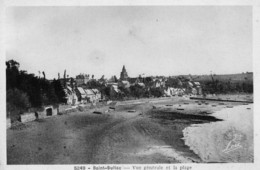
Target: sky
150 40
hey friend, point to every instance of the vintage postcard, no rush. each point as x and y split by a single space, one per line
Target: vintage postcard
139 86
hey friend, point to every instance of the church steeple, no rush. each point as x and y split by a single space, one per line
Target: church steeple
123 68
123 75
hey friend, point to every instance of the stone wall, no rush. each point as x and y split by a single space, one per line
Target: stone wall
27 117
30 116
63 107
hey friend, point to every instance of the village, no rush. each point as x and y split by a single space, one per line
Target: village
77 92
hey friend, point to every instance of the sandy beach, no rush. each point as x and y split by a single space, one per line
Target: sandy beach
169 130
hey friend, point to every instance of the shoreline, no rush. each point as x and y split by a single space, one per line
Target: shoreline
230 140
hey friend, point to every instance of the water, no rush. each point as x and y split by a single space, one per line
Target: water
230 140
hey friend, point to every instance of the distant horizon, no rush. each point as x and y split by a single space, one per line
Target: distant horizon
155 40
118 76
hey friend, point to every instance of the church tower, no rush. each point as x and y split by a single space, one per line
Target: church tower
123 75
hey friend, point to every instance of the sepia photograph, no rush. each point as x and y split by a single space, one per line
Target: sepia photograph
129 85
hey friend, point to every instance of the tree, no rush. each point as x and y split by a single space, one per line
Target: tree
94 84
59 91
157 92
12 73
172 82
147 93
125 91
38 90
17 102
137 91
105 92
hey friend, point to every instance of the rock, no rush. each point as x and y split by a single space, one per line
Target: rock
108 102
97 112
81 109
180 109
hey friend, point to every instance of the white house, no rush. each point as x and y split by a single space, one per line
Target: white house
97 94
90 95
71 96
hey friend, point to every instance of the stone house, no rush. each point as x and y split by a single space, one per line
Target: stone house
97 94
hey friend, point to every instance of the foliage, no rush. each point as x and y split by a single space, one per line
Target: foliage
12 73
17 102
94 84
172 82
59 91
39 90
147 93
137 91
229 86
157 92
125 91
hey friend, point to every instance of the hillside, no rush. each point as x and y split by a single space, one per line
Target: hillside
225 77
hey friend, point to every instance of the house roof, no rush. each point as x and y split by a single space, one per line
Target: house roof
197 83
67 91
95 91
89 92
141 84
81 90
125 82
69 88
190 84
115 87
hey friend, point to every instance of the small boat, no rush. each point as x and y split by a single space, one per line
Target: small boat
229 106
97 112
180 109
